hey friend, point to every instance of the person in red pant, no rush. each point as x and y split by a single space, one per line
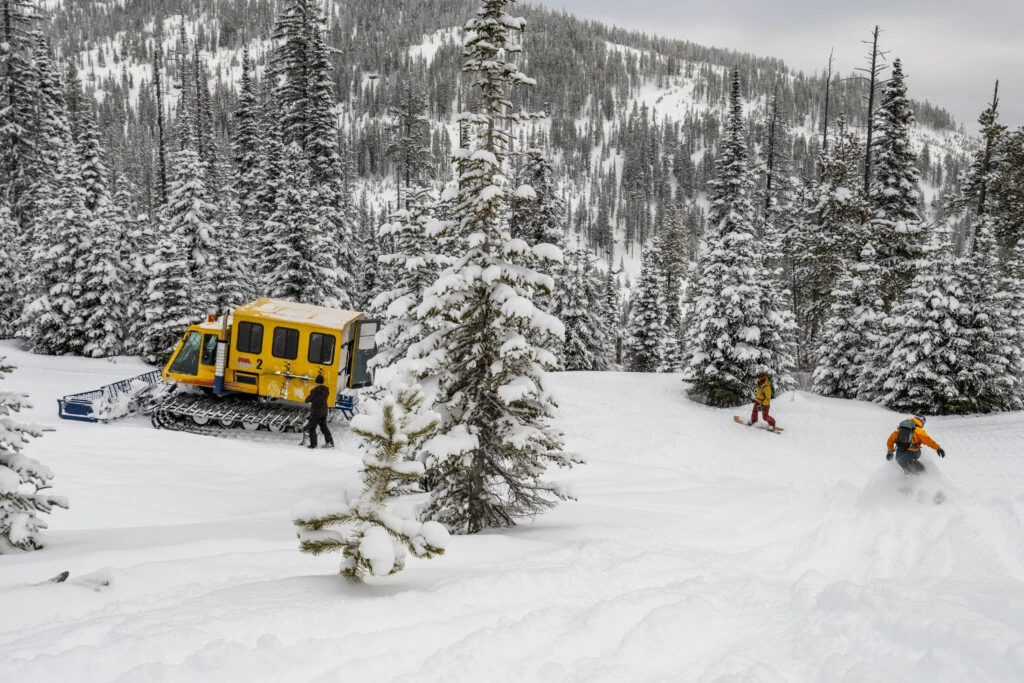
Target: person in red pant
763 401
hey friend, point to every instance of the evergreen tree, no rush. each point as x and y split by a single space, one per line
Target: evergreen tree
737 332
191 215
825 231
375 541
852 331
24 482
248 142
51 320
137 250
18 97
921 339
170 306
92 168
577 302
409 146
50 135
894 195
647 334
495 439
104 291
411 268
305 95
989 358
10 303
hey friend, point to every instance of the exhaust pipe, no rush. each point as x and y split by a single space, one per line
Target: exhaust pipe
222 357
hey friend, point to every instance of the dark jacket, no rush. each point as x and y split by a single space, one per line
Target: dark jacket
318 397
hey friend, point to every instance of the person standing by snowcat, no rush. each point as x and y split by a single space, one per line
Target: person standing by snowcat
318 413
905 445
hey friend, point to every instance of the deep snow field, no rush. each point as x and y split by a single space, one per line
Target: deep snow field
699 550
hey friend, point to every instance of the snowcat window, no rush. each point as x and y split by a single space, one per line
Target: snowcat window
366 349
286 343
209 356
187 360
321 348
250 338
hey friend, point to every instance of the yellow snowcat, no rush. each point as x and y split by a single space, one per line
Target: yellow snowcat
248 370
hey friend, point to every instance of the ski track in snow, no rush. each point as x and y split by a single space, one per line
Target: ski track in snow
698 551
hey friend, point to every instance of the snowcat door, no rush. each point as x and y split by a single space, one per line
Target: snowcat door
364 349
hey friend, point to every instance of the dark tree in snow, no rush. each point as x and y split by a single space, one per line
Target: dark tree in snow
373 540
18 96
409 147
248 142
736 332
894 196
577 302
92 167
24 482
496 440
646 331
10 302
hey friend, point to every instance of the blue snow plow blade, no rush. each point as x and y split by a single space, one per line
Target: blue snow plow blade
107 403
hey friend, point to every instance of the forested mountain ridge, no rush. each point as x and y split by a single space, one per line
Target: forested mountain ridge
630 116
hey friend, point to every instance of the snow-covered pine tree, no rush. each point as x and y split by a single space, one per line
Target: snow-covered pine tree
1011 299
103 291
894 196
922 339
852 331
989 358
18 95
736 332
299 241
411 268
577 302
170 305
611 310
10 300
409 146
373 540
137 249
24 482
305 94
50 134
50 320
247 143
825 232
645 330
495 440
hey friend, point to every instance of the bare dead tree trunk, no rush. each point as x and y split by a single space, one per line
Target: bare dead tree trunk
828 94
161 143
986 163
873 72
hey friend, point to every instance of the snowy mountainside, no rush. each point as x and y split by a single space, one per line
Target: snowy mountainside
698 550
593 80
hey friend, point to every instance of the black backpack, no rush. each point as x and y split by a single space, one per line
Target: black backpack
905 435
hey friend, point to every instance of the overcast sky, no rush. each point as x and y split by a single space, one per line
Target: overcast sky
952 51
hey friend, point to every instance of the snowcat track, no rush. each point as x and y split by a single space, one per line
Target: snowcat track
224 417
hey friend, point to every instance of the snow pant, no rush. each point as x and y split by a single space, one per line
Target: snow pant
321 422
764 411
910 461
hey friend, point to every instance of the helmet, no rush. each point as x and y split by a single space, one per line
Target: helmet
920 418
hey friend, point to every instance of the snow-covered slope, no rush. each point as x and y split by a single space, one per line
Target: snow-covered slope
699 550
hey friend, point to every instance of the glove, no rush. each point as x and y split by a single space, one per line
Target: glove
941 453
888 455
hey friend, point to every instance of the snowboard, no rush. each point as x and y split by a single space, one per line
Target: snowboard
747 423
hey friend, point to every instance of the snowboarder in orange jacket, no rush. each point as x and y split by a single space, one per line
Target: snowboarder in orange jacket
905 445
